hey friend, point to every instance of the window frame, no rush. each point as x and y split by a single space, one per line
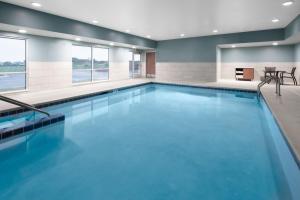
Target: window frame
92 64
25 65
101 47
91 54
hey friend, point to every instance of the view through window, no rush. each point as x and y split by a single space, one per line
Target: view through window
12 64
81 63
100 63
134 65
90 63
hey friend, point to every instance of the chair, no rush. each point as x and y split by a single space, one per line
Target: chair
290 75
270 72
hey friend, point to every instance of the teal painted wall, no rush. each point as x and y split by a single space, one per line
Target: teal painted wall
20 16
46 49
259 54
297 53
198 49
293 28
203 49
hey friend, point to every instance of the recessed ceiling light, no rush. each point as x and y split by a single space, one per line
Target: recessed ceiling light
215 31
233 46
275 20
182 35
22 31
111 44
288 3
148 36
36 4
133 47
78 39
127 31
95 21
275 43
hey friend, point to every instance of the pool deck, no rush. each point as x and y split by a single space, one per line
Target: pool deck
286 109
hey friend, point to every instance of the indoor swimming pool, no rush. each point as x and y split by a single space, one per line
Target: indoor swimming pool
153 141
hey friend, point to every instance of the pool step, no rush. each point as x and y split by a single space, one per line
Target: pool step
13 127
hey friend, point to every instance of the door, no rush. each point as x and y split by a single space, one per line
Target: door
150 64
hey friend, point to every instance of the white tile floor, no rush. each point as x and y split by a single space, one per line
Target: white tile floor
76 90
286 108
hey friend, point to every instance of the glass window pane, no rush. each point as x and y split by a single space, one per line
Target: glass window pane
12 81
12 64
137 57
12 56
101 63
129 56
100 74
137 65
100 56
81 75
81 63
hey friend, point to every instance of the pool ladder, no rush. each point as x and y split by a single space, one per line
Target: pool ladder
268 80
23 105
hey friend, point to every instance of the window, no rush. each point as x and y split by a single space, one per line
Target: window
134 65
90 63
12 64
100 64
137 64
81 63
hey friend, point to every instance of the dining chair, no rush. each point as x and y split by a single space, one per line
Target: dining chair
270 72
289 75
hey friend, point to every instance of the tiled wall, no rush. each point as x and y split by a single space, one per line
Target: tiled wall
49 75
297 74
297 61
118 70
204 72
49 62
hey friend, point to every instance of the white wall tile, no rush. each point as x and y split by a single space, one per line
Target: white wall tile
203 72
49 75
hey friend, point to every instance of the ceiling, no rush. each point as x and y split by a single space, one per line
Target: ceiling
167 19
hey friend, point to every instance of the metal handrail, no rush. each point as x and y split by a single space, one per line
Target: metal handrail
22 104
267 80
276 78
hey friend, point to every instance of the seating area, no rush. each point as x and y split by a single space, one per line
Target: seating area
278 76
271 72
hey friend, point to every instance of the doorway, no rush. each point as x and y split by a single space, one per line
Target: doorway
150 64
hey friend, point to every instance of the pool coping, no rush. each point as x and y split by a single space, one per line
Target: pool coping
18 110
8 133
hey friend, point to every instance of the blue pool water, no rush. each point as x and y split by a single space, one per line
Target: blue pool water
153 142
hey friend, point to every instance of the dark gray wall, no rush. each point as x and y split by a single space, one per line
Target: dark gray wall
259 54
20 16
203 49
